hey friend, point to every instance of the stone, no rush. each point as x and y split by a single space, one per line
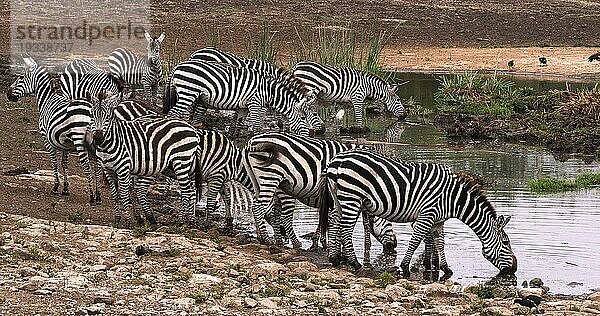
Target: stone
200 278
434 288
184 302
395 292
249 302
268 269
43 292
594 296
98 267
536 282
497 310
302 265
268 303
309 287
531 291
104 297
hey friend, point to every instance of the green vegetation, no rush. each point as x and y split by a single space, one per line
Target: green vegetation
473 94
76 217
265 49
470 105
551 185
140 231
476 307
385 279
215 292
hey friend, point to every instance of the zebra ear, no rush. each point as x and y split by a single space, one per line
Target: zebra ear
148 37
501 221
161 37
30 63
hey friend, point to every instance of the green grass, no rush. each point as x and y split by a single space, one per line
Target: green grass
485 291
552 185
385 279
140 231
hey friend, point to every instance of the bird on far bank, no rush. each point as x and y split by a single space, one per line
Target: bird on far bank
593 57
543 61
511 64
531 301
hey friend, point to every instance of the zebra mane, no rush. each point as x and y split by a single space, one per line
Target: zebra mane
372 76
473 184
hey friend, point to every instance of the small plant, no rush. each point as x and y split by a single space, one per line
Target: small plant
385 279
34 253
478 306
139 281
552 185
274 291
76 217
140 231
484 291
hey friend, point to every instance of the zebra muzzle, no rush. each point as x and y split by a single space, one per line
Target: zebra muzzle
98 137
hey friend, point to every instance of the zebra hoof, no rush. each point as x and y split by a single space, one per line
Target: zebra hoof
405 270
92 200
355 265
54 189
139 220
117 221
98 199
151 219
335 260
65 191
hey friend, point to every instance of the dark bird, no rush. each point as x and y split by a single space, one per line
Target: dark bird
511 64
140 250
543 61
593 57
531 301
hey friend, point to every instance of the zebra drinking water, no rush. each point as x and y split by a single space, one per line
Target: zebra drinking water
348 84
212 54
424 193
141 71
287 167
62 123
232 88
145 147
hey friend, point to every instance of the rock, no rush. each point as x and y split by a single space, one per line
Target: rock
43 292
434 288
594 297
531 291
249 302
497 310
268 269
103 297
98 267
395 292
34 283
196 279
268 303
28 272
309 287
184 302
536 282
303 265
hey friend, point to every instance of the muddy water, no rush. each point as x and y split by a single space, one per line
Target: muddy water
555 237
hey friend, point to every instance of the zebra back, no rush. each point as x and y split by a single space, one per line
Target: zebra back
213 54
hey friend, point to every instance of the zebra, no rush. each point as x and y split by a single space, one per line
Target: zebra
213 54
227 87
144 148
348 84
62 124
141 71
82 78
220 160
424 193
285 167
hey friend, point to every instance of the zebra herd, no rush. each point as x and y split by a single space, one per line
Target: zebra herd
84 109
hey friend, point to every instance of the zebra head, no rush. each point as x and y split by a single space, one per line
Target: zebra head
308 111
25 84
154 47
497 250
102 114
393 103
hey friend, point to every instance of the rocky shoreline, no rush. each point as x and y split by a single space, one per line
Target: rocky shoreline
59 268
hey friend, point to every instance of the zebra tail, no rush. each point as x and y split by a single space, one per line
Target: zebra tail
250 172
198 177
274 151
325 205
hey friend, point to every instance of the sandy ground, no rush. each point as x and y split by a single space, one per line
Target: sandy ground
562 61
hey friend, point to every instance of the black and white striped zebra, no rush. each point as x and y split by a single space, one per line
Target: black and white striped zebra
348 84
213 54
137 70
220 160
62 123
285 167
232 88
144 148
83 78
424 193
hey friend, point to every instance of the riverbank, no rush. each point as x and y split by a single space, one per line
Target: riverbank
58 268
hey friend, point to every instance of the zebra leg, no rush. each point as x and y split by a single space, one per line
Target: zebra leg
421 228
124 185
65 169
438 237
214 185
350 210
226 195
98 171
367 223
141 188
188 193
256 114
262 205
113 182
358 102
288 204
85 165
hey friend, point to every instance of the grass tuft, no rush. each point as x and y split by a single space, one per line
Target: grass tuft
552 185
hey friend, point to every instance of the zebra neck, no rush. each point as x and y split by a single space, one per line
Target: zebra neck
43 87
479 216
